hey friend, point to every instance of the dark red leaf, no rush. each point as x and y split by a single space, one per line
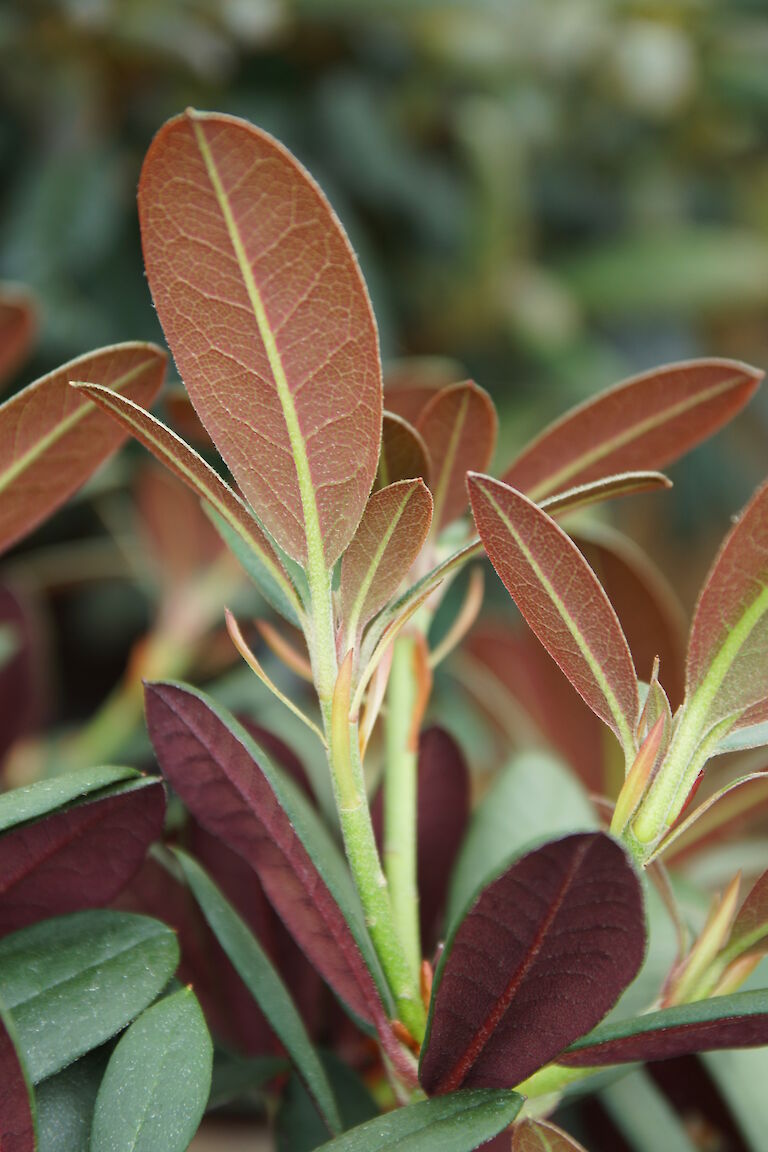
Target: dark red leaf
231 790
543 953
77 858
738 1021
17 1124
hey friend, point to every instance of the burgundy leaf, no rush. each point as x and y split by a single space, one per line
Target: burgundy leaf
404 454
17 1123
543 953
645 422
79 857
236 796
561 598
738 1021
458 426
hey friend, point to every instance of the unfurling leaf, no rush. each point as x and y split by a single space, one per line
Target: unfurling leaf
266 313
404 454
739 1021
253 548
388 539
234 791
458 426
113 965
79 857
17 1110
561 598
52 438
727 669
543 953
645 422
460 1122
157 1081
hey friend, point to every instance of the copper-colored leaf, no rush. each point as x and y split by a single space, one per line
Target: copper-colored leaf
237 795
645 422
541 1136
183 418
606 488
738 1021
264 307
404 454
52 438
17 1117
182 539
79 857
458 426
193 471
17 330
390 536
540 957
727 669
561 598
750 928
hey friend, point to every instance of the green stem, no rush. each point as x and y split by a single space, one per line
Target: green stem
400 789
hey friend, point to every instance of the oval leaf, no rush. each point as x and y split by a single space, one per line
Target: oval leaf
73 982
404 454
739 1021
263 982
539 1136
157 1082
44 796
560 597
645 422
458 426
268 318
457 1123
543 953
390 536
81 857
193 471
727 668
52 438
236 794
17 1110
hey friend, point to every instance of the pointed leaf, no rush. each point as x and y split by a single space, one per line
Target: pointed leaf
727 669
74 982
193 471
49 430
739 1021
543 953
540 1136
258 973
560 597
17 329
458 426
231 787
157 1082
79 857
460 1122
607 488
17 1109
389 537
266 313
645 422
404 454
44 796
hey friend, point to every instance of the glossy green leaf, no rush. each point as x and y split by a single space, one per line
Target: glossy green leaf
35 800
73 982
65 1105
263 982
157 1082
460 1122
534 797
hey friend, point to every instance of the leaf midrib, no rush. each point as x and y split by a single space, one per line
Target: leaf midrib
365 584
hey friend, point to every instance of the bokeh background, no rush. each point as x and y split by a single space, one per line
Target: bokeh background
547 197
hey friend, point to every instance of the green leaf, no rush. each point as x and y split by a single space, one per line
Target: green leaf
65 1106
251 561
299 1127
157 1082
534 798
459 1122
44 796
741 1077
263 982
73 982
